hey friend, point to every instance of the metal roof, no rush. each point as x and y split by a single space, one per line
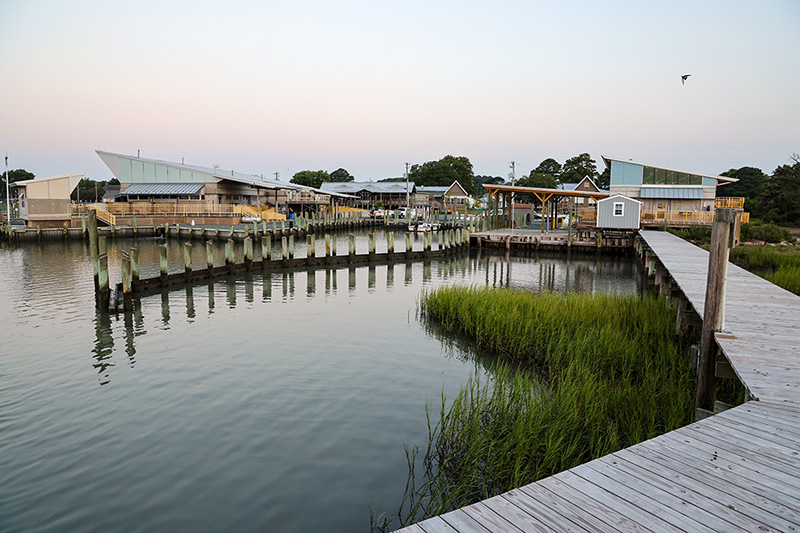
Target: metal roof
672 193
377 187
220 174
607 160
25 183
163 189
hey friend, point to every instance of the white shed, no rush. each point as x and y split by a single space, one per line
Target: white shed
618 212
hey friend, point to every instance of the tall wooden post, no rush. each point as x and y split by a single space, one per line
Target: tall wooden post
371 243
103 293
409 245
311 246
291 246
714 309
210 256
390 245
93 253
327 247
134 267
248 253
127 285
187 260
162 264
230 258
351 251
284 249
266 250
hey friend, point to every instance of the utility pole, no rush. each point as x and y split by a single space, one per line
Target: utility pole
408 197
513 177
276 175
8 195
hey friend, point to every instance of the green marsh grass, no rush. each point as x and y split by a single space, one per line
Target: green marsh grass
778 265
576 377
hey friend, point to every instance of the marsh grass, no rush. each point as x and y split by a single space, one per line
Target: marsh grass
577 376
778 265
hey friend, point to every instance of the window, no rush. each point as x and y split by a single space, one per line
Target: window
618 209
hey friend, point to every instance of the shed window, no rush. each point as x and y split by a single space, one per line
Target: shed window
619 209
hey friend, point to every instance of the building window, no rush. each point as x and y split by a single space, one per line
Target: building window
618 209
660 176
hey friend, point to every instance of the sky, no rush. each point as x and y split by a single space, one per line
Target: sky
265 86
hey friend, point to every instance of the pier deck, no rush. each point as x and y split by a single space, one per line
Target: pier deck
737 470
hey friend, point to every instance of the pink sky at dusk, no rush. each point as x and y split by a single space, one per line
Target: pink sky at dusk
262 87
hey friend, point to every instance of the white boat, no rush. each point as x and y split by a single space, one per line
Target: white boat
423 226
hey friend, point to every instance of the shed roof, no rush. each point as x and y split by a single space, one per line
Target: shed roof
161 189
723 179
111 160
619 197
377 187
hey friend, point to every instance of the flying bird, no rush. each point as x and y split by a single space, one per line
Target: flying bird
684 78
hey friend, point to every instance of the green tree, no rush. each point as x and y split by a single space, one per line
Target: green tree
780 200
534 179
578 167
310 178
491 180
550 167
88 190
14 176
750 185
340 175
604 179
444 172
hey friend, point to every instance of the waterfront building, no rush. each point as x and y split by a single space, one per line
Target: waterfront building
45 202
452 197
367 193
152 181
664 190
618 212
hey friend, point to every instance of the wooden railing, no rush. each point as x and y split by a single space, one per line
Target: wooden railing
103 215
733 202
676 217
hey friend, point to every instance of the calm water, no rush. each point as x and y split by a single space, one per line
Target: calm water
276 402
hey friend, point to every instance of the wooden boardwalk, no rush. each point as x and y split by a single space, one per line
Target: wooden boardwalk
737 470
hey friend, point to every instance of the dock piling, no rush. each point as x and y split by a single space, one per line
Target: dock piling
714 305
127 283
187 260
209 255
230 258
162 263
248 253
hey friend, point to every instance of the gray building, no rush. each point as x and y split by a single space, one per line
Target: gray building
618 212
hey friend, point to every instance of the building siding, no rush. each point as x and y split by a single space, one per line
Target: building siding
629 219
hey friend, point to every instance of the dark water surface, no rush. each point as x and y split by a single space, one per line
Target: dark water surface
276 402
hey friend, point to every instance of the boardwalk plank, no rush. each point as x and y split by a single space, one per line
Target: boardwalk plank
727 494
489 519
435 525
461 521
515 514
637 492
618 504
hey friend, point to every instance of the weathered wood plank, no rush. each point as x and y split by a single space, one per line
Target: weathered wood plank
620 505
747 506
489 519
637 492
435 525
514 514
461 521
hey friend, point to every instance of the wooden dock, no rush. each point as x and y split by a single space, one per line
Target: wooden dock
737 470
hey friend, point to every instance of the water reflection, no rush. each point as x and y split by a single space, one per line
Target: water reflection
534 273
103 346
